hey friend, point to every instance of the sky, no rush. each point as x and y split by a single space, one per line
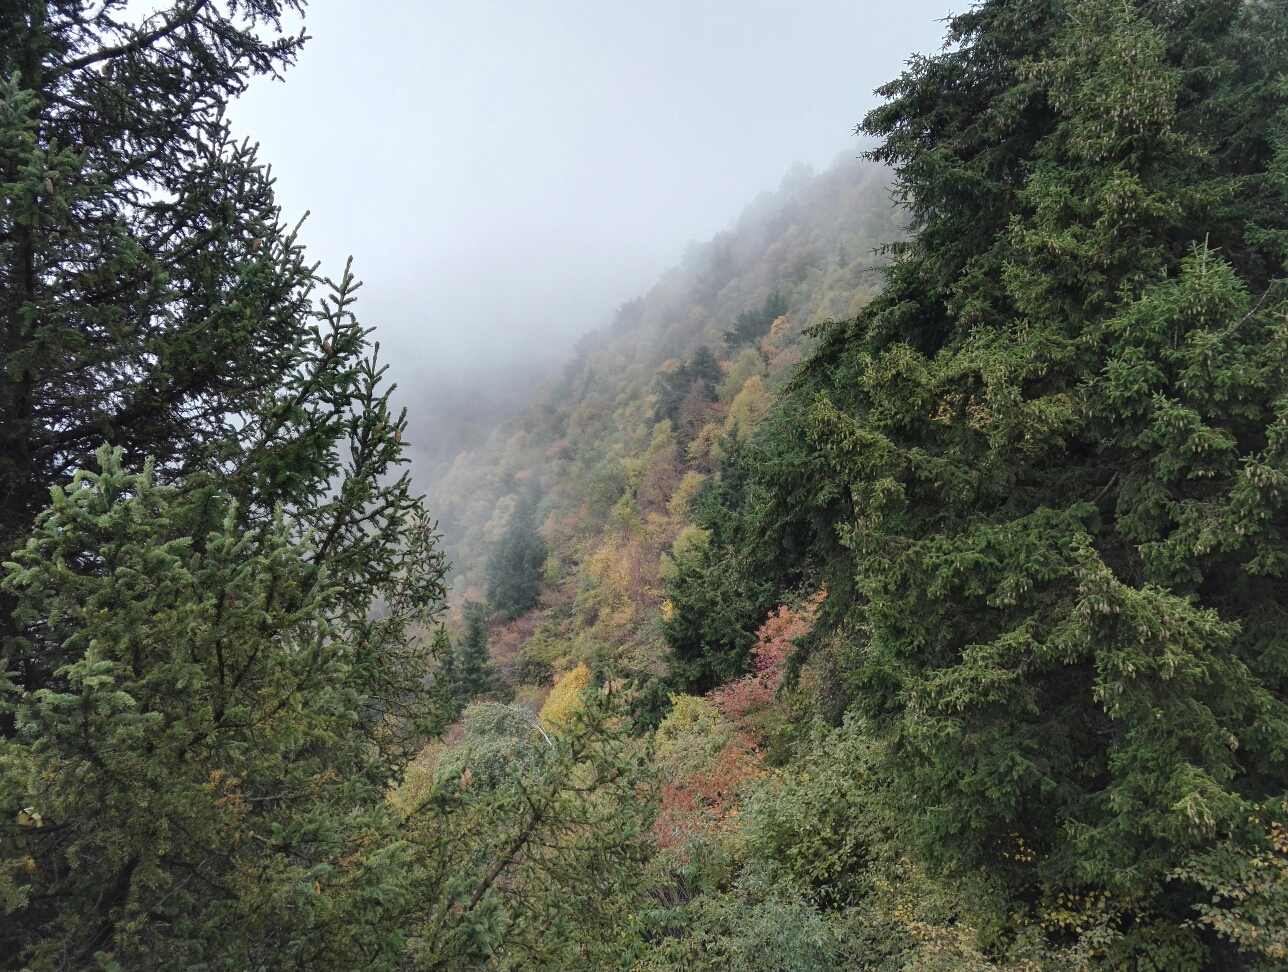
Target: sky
505 174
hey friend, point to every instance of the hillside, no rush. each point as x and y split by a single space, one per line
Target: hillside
943 601
897 589
603 463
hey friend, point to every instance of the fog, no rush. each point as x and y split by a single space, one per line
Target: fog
506 173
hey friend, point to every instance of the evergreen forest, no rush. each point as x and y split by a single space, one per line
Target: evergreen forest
899 585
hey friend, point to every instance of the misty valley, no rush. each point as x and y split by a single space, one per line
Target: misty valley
896 584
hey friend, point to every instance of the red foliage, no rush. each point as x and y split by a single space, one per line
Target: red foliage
718 412
757 692
701 802
779 358
506 641
704 800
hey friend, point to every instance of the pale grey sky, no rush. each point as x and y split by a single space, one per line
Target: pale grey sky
506 172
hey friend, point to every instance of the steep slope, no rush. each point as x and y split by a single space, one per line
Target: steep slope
1041 479
599 470
952 629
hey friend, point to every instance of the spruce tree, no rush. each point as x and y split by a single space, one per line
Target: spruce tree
151 298
464 670
752 325
1042 476
150 295
515 566
445 677
148 291
217 743
474 674
675 386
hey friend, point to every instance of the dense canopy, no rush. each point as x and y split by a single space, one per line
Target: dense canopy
887 589
1041 476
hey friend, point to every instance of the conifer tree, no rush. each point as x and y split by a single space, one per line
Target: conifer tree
150 295
445 677
1042 476
474 674
151 298
675 386
217 743
752 325
148 291
514 568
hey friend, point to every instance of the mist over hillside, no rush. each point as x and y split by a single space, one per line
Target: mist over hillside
456 410
814 240
458 395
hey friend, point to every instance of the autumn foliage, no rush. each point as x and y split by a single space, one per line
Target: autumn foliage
712 745
753 695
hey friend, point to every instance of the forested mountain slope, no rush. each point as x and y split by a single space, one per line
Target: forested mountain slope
599 470
947 601
1041 479
827 611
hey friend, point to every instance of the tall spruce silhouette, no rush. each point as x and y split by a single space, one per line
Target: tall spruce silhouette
514 568
474 675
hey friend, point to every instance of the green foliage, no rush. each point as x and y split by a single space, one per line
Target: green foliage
149 295
752 325
207 773
762 924
819 821
234 630
465 671
1042 475
207 785
719 592
370 544
809 875
528 844
474 675
676 386
498 743
514 568
151 298
1248 881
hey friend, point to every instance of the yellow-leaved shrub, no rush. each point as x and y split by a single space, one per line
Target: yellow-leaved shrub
563 698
